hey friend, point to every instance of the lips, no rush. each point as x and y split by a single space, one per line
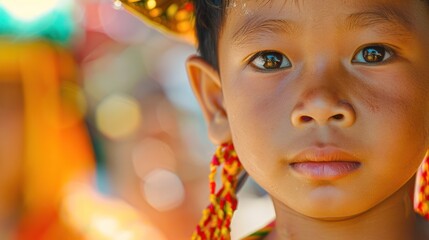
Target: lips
327 163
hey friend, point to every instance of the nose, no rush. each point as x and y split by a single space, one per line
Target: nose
323 108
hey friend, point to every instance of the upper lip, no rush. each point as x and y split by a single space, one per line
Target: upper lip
323 154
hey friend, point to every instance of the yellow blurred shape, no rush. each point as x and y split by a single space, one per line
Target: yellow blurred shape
172 10
118 116
151 4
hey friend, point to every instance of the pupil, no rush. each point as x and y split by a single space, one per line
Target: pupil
374 54
273 60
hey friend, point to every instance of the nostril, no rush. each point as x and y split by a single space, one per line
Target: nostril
338 116
305 119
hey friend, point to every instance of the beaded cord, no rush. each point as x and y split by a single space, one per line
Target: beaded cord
422 194
216 221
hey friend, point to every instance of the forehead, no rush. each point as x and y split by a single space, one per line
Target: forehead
242 15
246 6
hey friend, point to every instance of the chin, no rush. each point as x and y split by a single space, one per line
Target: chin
337 214
329 203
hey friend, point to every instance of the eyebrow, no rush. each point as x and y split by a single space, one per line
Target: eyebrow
384 17
258 27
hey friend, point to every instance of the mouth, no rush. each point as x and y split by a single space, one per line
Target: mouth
327 163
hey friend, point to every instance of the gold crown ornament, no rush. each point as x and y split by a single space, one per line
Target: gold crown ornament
173 17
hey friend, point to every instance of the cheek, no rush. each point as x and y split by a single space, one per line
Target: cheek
259 116
393 96
393 121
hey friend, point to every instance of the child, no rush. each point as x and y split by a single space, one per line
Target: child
326 103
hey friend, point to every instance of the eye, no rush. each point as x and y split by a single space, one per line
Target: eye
373 54
270 60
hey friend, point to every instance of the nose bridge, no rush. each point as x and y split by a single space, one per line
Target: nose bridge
319 96
321 81
321 100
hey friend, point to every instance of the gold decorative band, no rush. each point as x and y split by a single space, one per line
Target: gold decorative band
174 17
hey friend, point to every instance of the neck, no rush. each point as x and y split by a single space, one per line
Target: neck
392 219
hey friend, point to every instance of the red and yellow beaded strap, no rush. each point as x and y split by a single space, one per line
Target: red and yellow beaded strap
174 17
421 198
216 221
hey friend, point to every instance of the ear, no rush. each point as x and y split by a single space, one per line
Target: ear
206 84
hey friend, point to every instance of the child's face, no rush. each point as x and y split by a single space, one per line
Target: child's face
335 77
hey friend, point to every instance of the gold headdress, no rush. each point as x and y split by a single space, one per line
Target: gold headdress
174 17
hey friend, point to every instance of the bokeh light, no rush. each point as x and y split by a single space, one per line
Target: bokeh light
118 116
28 10
114 70
174 77
151 153
102 218
27 19
121 26
163 190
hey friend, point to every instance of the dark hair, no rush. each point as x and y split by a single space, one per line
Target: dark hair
209 16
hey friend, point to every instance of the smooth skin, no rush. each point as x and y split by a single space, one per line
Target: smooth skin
349 75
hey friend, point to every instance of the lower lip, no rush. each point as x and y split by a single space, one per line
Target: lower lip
325 170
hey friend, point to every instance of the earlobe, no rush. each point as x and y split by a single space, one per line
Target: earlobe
206 85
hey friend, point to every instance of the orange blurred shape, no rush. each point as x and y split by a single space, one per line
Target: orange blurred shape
57 149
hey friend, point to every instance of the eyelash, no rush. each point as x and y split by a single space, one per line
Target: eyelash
267 57
372 54
364 55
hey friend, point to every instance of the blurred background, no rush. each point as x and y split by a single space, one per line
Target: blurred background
100 134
